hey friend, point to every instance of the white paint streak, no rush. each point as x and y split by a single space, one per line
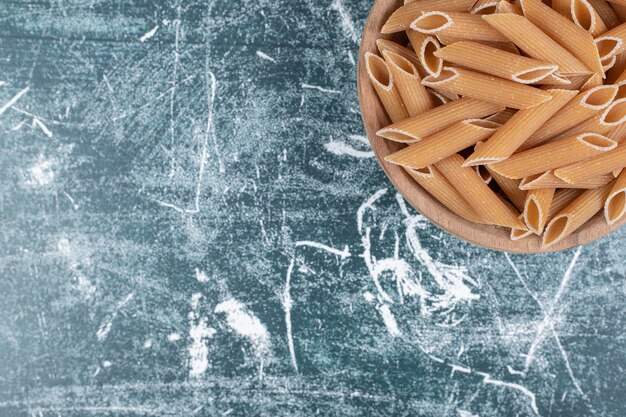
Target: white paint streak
389 320
149 34
173 337
340 148
245 324
460 368
41 173
345 253
346 21
533 399
105 328
321 89
38 123
265 56
13 100
287 305
199 332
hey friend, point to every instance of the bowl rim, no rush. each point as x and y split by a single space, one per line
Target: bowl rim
486 236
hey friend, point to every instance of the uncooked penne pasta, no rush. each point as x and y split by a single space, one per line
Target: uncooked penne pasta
519 234
575 40
487 88
417 128
562 7
555 154
529 38
608 63
561 199
478 194
594 81
483 173
558 81
425 47
606 13
402 18
458 25
496 62
582 107
537 207
502 116
504 46
587 18
510 188
620 10
549 180
485 7
615 204
385 45
436 185
612 42
443 144
382 80
577 213
507 7
604 163
611 118
405 77
439 99
518 129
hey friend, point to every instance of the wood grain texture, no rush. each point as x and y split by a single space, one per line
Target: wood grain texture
375 118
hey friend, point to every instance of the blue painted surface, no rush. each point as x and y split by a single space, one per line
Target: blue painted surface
193 224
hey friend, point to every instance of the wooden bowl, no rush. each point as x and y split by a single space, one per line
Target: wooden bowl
375 118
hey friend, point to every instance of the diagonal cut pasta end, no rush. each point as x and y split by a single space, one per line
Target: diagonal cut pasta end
555 230
432 22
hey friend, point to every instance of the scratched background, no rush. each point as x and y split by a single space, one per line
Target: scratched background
193 224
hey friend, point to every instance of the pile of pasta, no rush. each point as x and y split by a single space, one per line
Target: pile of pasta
512 111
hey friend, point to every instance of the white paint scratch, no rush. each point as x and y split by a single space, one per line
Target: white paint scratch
346 21
245 324
13 100
343 254
105 328
287 305
389 320
321 89
265 56
460 368
464 413
173 337
531 395
38 123
149 34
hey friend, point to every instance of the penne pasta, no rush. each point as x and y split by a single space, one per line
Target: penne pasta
430 179
510 188
561 199
385 45
611 118
417 128
485 7
557 81
529 38
620 10
612 42
483 173
555 154
504 46
519 234
537 207
609 63
382 80
606 13
575 214
594 81
406 78
443 144
507 7
562 7
605 163
464 26
615 204
587 18
402 18
487 88
478 194
438 98
496 62
502 116
575 40
582 107
518 129
425 47
549 180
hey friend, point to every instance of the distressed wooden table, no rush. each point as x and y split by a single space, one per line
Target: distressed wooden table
191 223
